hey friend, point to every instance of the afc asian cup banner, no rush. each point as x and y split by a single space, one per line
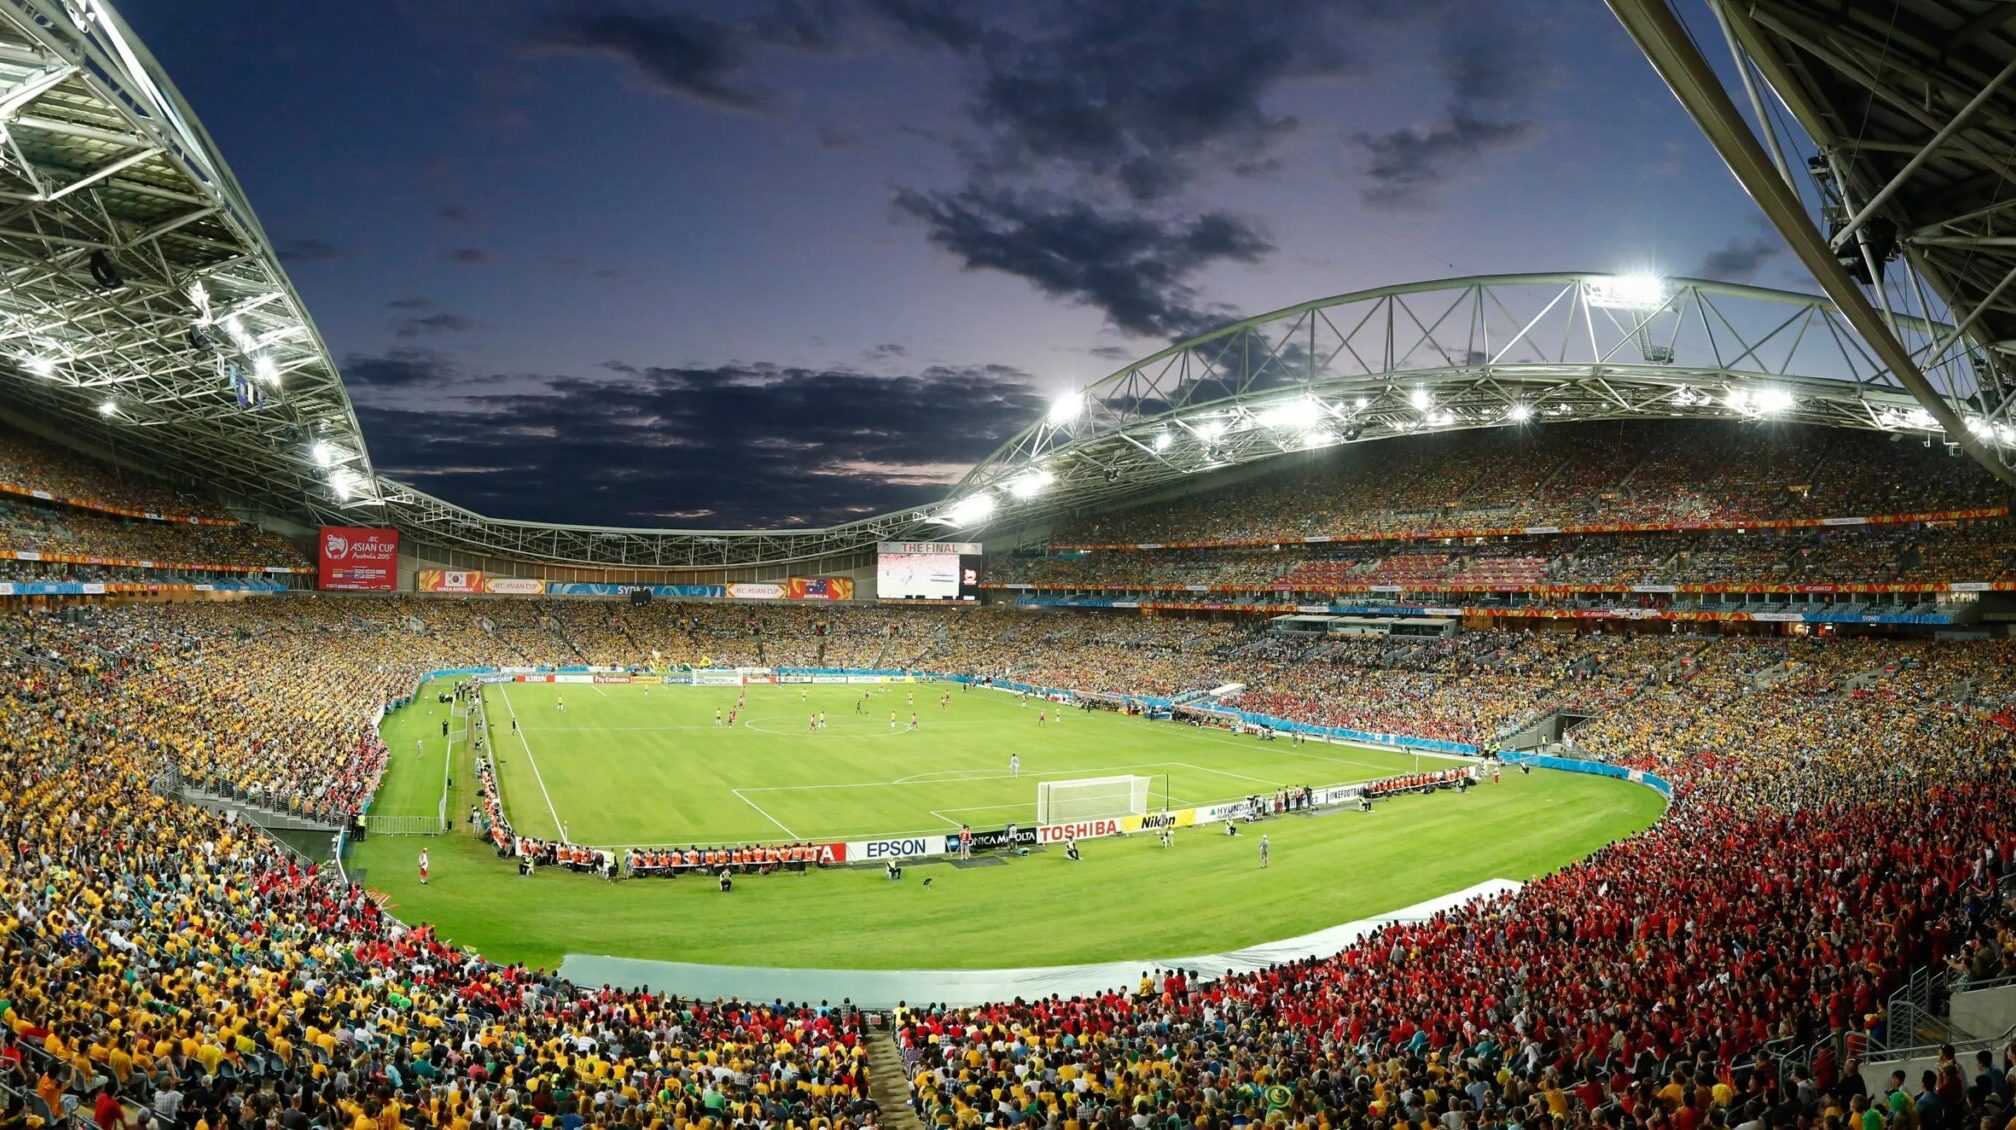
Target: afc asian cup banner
356 558
450 580
514 586
756 592
819 588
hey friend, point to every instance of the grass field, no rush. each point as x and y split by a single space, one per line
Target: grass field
622 767
635 766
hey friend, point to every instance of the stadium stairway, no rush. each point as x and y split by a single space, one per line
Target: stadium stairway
889 1081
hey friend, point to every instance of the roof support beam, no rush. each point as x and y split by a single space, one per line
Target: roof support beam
1923 155
1693 81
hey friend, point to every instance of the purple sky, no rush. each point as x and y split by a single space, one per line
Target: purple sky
770 263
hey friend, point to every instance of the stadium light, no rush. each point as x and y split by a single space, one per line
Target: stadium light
1302 414
1627 292
1761 402
325 455
1066 408
1520 412
1211 429
1913 418
1163 440
1772 401
40 366
1360 404
1030 483
235 330
972 510
1420 399
108 408
266 369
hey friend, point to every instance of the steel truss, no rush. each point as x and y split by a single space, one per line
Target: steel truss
1451 355
1878 141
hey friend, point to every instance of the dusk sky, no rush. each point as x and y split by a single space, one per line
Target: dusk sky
791 263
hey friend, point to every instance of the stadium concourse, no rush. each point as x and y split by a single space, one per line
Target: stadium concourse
1842 818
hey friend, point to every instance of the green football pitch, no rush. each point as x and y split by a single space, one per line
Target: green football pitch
635 765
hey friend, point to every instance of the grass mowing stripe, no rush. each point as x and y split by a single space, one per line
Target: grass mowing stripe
532 761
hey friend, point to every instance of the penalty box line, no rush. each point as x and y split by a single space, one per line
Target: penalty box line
765 815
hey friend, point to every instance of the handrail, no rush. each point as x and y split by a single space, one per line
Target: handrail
1917 1051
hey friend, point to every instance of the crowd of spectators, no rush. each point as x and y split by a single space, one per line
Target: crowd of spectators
30 525
165 962
1813 855
30 462
1983 550
1718 970
1568 474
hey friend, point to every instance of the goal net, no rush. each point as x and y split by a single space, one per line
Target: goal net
1090 798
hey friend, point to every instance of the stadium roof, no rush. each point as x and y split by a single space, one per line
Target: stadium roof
145 313
1875 135
142 309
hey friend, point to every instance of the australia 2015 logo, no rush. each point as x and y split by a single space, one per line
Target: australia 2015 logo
335 547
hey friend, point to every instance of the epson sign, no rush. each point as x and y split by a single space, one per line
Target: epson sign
889 849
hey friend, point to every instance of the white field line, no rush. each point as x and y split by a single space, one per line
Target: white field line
1228 773
534 763
763 814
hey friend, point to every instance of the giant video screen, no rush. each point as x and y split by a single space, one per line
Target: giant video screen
927 570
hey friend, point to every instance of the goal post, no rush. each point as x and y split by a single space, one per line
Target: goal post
1091 798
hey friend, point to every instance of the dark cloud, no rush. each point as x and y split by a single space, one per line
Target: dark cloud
886 351
1149 93
398 369
608 274
756 445
466 255
930 23
1133 267
452 213
805 25
308 250
441 322
410 304
1491 76
674 53
834 138
1741 258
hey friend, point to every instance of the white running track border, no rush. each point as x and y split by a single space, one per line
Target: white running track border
883 988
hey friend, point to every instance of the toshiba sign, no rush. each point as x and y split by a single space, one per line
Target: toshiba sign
1081 830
